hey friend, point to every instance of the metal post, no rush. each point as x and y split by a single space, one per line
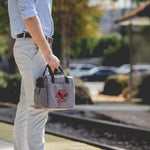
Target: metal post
131 61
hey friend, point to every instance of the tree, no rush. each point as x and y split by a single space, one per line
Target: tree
5 31
3 16
74 21
139 1
3 25
84 48
113 49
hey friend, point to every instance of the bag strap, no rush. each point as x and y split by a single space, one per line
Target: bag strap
52 74
66 78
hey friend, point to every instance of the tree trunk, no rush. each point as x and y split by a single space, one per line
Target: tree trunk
65 45
65 27
68 42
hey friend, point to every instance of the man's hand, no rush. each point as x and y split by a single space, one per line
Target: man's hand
52 60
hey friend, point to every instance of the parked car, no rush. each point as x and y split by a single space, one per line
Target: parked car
124 69
98 74
141 69
77 70
138 69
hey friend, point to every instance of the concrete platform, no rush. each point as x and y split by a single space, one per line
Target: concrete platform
52 142
5 144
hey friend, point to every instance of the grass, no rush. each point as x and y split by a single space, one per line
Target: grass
52 142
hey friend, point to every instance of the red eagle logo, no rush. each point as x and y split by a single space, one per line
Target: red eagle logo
62 95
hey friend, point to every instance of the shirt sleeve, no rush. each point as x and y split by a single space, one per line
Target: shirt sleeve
27 8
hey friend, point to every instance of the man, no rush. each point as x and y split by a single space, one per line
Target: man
32 27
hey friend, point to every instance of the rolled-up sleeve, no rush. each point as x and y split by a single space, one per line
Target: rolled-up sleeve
27 8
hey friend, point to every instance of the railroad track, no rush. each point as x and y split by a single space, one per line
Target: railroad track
48 131
89 142
100 123
139 137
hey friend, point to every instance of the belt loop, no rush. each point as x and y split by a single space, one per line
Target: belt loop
46 38
24 35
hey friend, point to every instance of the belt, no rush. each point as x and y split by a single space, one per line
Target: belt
27 35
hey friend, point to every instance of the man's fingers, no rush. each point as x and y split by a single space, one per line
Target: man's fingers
54 66
57 64
53 70
53 62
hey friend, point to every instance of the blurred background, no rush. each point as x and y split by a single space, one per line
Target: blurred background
105 46
105 55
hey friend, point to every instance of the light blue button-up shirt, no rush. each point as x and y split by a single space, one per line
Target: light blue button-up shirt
22 9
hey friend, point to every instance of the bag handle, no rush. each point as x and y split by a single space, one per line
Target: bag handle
52 74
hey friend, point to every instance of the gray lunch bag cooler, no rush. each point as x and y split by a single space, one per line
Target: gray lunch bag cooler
54 92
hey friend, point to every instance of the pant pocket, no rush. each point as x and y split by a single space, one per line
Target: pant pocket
25 49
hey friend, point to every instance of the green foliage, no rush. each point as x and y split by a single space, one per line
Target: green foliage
6 78
3 80
106 43
4 16
83 48
113 44
3 44
145 29
111 47
138 1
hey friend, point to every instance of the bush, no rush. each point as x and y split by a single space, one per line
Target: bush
118 84
9 87
144 90
114 85
136 81
82 95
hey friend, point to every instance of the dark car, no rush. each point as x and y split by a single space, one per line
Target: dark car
98 74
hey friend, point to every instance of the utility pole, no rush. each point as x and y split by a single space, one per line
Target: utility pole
131 60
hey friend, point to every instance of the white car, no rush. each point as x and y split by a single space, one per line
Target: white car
77 70
138 69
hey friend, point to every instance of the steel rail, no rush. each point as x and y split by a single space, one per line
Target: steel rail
101 123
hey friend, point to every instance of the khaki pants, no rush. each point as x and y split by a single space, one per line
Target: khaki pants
29 126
